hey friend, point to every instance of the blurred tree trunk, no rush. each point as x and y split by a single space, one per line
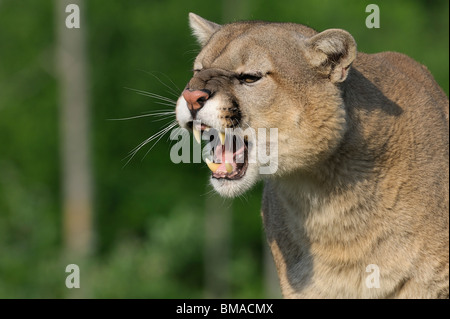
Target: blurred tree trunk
74 131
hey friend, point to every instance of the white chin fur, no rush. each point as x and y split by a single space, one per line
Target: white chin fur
233 188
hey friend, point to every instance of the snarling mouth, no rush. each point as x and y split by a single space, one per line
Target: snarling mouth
228 155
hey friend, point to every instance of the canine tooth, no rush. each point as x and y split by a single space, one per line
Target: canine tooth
228 167
212 166
222 137
207 129
197 134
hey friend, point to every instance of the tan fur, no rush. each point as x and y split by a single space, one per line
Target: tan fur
363 163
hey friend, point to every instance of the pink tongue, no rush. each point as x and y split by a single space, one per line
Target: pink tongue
225 156
222 168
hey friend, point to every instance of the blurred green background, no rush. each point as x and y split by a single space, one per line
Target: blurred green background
149 215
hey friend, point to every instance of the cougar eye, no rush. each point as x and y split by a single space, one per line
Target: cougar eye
248 78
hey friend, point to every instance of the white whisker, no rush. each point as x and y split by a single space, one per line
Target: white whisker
171 90
157 136
161 119
162 110
157 115
152 95
165 104
166 114
154 136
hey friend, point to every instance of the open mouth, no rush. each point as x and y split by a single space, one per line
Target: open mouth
228 153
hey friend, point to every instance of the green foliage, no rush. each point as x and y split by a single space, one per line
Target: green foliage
149 213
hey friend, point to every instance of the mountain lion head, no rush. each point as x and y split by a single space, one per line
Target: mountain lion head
354 151
243 78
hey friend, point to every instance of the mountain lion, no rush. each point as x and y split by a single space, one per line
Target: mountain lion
361 155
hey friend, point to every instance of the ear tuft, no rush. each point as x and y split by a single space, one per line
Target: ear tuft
202 28
332 52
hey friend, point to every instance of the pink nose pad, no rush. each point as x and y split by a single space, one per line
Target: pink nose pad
195 100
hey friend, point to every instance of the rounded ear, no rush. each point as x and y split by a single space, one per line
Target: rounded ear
331 52
202 28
